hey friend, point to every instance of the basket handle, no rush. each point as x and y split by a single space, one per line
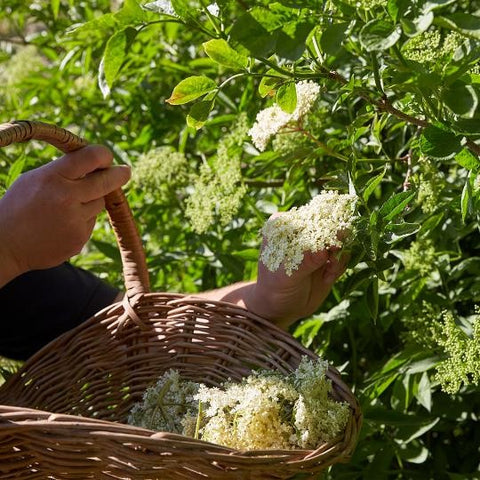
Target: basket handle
134 264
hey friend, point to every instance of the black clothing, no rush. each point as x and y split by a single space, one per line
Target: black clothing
38 306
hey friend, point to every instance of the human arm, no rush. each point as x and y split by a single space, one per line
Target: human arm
48 214
285 299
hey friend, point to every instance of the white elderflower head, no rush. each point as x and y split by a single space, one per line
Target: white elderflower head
272 119
252 415
312 227
165 404
318 418
266 410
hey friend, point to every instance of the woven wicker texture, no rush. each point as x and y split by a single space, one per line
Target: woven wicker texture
63 414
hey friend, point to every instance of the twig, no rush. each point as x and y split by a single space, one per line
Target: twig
408 158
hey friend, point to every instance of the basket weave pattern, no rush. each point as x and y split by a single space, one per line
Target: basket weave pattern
62 416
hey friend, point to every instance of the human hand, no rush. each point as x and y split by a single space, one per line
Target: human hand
48 214
285 299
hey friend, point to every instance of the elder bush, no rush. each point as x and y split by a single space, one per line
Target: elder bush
396 122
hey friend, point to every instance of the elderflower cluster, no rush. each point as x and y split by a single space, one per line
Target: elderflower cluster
266 410
462 363
432 48
218 189
312 227
272 119
160 169
457 344
166 404
420 257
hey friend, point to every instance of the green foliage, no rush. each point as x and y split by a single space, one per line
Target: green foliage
173 89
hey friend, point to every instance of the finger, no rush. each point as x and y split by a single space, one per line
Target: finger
100 183
82 162
336 267
93 208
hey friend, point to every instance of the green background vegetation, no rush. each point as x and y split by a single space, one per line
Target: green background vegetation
397 122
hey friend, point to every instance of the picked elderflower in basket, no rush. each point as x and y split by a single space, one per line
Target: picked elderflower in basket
91 403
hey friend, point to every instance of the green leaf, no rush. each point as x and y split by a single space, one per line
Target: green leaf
464 23
397 8
461 99
466 198
222 53
397 231
187 10
395 205
291 39
467 160
113 57
371 185
249 33
199 113
434 4
333 37
372 298
424 392
379 35
287 97
55 6
190 89
15 170
268 85
131 13
418 25
439 143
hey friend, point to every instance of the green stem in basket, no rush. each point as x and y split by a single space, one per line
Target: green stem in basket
199 420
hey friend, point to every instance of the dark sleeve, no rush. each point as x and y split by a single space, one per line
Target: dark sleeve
38 306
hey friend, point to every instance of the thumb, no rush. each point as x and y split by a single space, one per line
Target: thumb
77 164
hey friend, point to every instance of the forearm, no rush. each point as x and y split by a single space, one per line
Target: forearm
249 295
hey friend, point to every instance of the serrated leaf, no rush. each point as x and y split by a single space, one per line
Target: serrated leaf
461 99
466 199
249 33
372 298
424 392
332 37
199 113
464 23
286 97
222 53
379 35
190 89
268 84
396 8
395 205
113 57
55 5
397 231
291 39
418 25
187 10
439 143
371 185
131 13
467 160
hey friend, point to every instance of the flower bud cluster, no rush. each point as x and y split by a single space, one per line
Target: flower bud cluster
321 224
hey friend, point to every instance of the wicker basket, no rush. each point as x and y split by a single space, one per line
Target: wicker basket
61 415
